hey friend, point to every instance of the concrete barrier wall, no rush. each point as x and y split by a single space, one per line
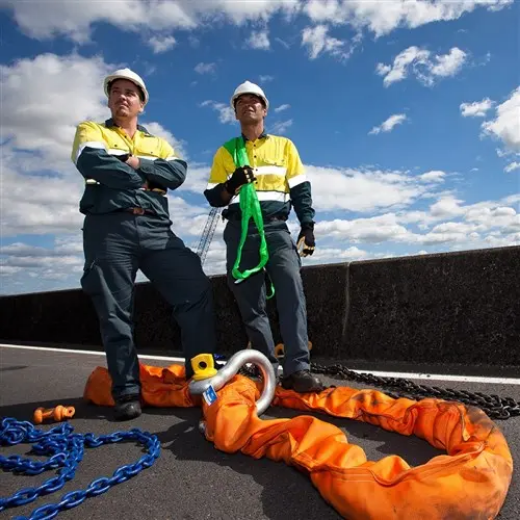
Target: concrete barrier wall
453 307
456 307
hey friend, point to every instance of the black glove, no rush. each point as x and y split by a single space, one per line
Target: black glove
241 176
306 240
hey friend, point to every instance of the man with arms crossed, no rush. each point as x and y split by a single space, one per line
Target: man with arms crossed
127 174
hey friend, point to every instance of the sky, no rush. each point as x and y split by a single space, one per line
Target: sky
406 116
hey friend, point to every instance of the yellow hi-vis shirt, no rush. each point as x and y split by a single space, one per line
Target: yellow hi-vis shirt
281 178
111 184
115 141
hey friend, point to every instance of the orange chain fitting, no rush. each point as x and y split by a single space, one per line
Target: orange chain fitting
59 413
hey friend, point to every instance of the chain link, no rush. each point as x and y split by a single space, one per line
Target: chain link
493 405
65 450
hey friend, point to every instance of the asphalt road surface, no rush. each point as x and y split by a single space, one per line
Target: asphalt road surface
191 480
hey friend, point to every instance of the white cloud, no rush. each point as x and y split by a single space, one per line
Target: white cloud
188 220
448 64
43 128
161 43
48 19
485 224
506 125
281 108
389 124
447 207
317 41
51 18
45 123
495 215
482 216
515 165
498 5
244 11
215 263
329 255
8 270
402 62
281 127
226 114
477 108
36 203
158 130
383 70
41 207
266 78
259 40
322 10
205 68
382 17
197 178
362 191
64 245
369 230
62 263
38 132
283 43
433 176
419 61
43 262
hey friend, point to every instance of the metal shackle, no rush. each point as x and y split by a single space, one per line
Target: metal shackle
206 376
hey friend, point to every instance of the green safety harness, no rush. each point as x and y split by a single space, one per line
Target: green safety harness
250 209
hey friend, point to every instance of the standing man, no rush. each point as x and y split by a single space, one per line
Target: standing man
280 181
127 174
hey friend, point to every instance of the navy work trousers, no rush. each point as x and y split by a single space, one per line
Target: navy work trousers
283 269
115 247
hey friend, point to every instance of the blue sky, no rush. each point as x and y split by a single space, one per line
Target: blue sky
406 115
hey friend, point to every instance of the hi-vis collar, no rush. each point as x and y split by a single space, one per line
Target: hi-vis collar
110 123
111 138
263 135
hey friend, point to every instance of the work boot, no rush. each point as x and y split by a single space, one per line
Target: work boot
127 407
302 382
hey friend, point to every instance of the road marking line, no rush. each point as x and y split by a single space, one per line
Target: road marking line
86 352
404 375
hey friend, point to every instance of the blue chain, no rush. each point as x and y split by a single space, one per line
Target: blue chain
65 450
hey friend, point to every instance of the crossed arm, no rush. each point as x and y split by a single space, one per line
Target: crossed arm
94 162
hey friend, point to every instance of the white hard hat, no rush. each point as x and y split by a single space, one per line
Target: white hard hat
130 76
248 88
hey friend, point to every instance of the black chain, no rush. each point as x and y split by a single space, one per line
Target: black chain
493 405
